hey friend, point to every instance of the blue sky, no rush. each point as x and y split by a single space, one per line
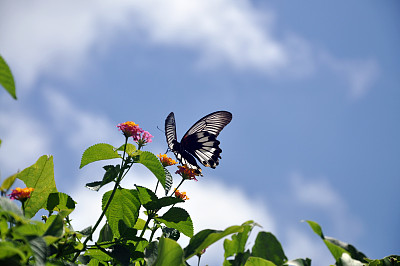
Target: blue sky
313 88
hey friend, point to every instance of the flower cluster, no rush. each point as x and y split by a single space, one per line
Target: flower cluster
181 195
131 129
21 194
165 160
186 172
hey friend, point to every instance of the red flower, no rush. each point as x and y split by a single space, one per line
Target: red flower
21 194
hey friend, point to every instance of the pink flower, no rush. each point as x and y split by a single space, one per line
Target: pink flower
186 172
130 129
146 137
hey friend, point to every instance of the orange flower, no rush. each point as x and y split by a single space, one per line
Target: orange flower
186 172
181 195
21 194
165 160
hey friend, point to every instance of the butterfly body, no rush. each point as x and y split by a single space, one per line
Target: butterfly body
200 141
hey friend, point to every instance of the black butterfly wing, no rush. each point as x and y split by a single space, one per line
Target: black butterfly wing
170 130
184 157
201 139
212 123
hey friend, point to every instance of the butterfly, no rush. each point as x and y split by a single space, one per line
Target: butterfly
199 142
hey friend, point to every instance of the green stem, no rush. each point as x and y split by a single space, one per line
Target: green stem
178 187
106 207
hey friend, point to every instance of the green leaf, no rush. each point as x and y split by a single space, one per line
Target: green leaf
268 247
9 254
171 233
39 176
335 250
146 196
150 201
124 206
153 164
105 234
9 206
140 223
238 243
316 228
205 238
354 253
130 149
392 260
168 181
255 261
299 262
30 229
151 253
120 253
8 182
39 249
110 175
55 226
6 78
179 219
98 152
61 203
169 253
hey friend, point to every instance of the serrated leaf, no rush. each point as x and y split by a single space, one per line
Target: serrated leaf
95 186
9 252
146 196
335 250
98 152
140 223
8 205
8 182
354 253
39 249
171 233
105 234
179 219
150 201
55 226
153 164
236 246
346 260
124 206
151 253
168 181
39 176
6 78
268 247
130 149
205 238
169 253
61 203
255 261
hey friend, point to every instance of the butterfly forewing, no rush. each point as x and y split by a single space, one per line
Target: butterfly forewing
212 123
170 130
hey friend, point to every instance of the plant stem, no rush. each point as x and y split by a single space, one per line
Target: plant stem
178 186
106 207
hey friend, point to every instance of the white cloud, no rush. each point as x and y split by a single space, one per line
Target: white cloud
359 74
212 205
320 195
60 38
78 128
24 138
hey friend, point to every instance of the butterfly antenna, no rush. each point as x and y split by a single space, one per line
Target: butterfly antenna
160 130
